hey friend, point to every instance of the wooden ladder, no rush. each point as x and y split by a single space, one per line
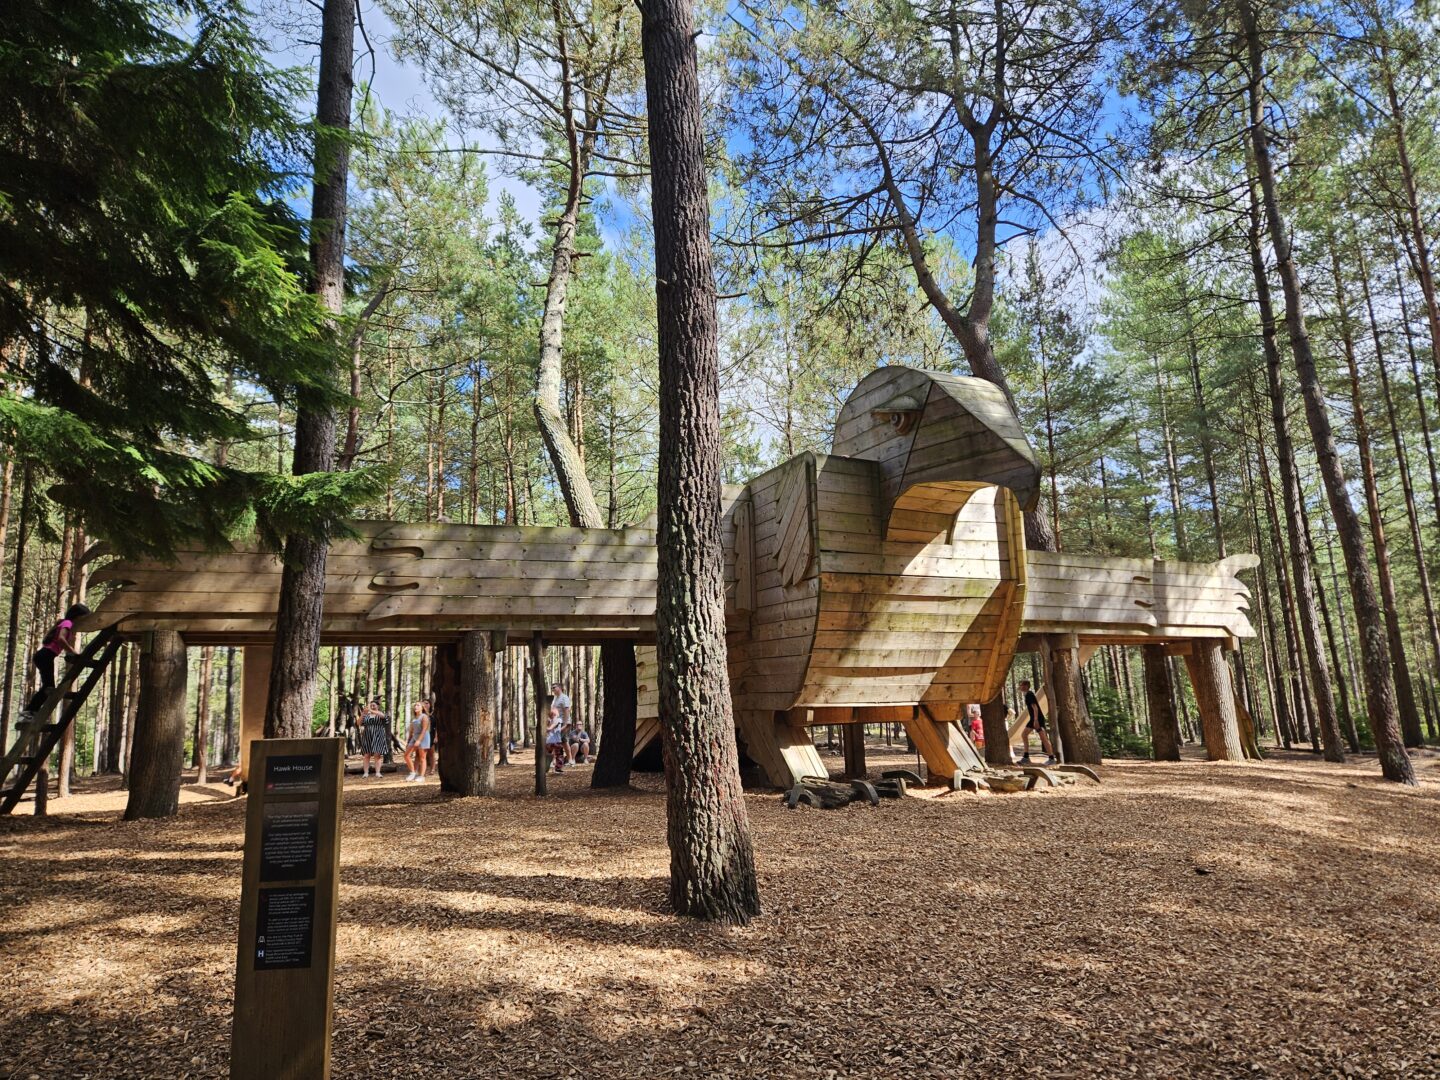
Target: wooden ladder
36 736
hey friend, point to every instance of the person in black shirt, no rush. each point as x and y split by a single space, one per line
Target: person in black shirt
1034 721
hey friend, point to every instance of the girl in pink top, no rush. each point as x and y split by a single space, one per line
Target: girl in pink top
60 639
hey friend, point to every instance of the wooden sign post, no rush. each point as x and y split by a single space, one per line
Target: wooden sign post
285 969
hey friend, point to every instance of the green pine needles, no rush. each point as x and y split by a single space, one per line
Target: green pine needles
148 260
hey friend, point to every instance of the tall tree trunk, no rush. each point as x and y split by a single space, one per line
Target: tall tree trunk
1291 637
294 673
17 591
1419 389
712 863
1402 465
1404 685
200 753
1305 611
159 741
1215 698
1160 699
1380 690
1207 448
1351 732
468 765
1417 242
1347 716
1172 471
231 748
1264 625
540 699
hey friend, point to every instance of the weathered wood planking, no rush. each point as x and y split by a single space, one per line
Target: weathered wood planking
890 575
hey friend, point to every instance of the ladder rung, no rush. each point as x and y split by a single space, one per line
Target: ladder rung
33 759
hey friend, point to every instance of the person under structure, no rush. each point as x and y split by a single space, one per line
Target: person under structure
1034 722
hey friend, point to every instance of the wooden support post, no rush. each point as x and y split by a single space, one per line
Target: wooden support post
1160 697
1215 698
1067 701
621 692
852 738
448 708
541 687
467 767
997 733
254 696
945 748
159 728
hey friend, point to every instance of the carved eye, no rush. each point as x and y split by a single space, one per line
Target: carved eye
902 422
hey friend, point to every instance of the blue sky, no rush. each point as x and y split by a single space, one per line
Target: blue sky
291 28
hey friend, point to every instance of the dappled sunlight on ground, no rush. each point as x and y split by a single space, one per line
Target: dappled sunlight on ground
1279 918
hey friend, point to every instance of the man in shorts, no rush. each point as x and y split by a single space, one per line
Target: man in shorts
560 701
1034 721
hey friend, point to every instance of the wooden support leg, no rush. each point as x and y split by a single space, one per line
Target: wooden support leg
620 687
997 734
944 746
254 691
542 710
467 767
782 748
446 716
1215 697
1067 698
853 739
1159 693
159 729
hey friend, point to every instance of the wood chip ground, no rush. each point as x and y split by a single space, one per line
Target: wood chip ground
1277 919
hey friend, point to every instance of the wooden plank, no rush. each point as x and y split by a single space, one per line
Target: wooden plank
431 531
744 557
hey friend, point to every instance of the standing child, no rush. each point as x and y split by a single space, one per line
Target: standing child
417 742
977 725
1034 722
555 740
61 638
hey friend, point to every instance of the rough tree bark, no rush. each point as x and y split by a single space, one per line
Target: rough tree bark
1305 610
1405 701
159 740
468 762
294 675
712 863
1160 697
1215 696
1380 690
997 732
17 591
1067 703
1407 491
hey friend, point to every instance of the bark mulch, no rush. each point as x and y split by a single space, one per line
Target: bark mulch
1277 919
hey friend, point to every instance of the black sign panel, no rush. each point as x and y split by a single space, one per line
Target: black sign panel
289 839
284 928
292 774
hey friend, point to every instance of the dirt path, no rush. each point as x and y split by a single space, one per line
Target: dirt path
1277 919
